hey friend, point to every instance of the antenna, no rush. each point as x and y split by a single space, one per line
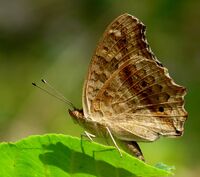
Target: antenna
55 90
57 94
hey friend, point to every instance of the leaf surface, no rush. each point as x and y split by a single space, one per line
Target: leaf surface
56 155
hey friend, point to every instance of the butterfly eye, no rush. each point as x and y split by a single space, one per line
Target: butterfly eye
161 109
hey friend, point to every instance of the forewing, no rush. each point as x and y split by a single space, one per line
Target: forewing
122 40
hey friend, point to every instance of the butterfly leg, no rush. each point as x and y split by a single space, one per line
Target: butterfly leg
109 132
88 135
134 149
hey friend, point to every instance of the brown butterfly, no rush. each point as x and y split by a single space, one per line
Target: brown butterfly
128 94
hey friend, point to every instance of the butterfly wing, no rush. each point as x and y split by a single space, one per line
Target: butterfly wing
123 39
128 85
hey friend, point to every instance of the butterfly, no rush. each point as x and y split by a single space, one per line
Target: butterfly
128 94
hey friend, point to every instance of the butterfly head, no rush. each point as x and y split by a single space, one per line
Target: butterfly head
77 115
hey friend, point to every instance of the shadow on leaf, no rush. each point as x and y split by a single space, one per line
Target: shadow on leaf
70 161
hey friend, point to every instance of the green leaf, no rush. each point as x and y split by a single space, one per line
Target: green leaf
56 155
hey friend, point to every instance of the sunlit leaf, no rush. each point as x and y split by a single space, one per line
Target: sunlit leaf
56 155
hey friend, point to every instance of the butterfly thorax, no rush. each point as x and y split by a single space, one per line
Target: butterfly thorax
97 128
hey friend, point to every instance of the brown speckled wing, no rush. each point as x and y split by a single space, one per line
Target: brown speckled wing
128 85
122 40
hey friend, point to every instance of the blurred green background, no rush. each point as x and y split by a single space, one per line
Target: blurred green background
55 40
